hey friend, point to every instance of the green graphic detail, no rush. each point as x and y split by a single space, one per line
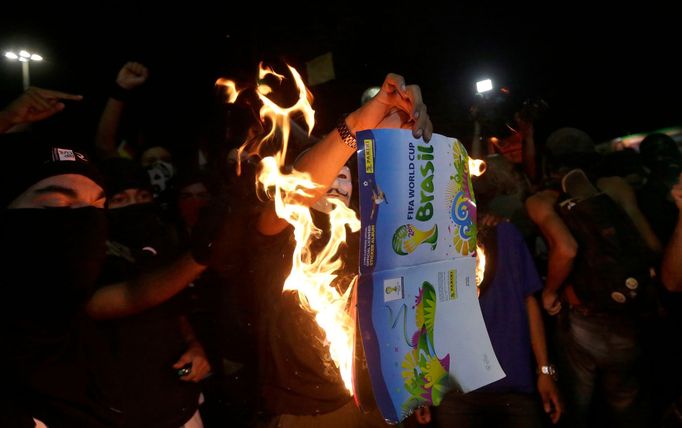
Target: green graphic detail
407 238
425 375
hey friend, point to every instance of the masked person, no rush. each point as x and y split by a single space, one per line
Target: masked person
55 225
146 350
301 385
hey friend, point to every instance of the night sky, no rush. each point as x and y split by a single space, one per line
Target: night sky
610 73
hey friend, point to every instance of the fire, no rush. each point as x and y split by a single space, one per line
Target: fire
230 89
480 265
311 275
477 167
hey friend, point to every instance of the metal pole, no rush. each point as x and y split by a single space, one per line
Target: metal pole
24 74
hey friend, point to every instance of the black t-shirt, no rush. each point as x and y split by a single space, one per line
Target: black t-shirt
138 351
298 375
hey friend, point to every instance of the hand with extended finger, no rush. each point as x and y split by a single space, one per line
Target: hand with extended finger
33 105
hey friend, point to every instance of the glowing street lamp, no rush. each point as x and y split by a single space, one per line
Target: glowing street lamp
25 58
484 86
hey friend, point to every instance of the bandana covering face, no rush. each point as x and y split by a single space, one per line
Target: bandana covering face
341 189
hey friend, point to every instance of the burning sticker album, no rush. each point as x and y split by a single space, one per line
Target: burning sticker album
420 323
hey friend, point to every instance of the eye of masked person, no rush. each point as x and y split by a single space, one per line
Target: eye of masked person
130 197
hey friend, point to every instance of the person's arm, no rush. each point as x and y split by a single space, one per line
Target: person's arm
129 77
476 143
395 106
562 246
546 387
34 105
671 269
528 146
194 355
107 128
145 291
621 192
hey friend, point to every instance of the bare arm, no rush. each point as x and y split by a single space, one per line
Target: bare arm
107 128
145 291
546 386
671 270
396 105
621 192
476 143
130 76
562 246
528 146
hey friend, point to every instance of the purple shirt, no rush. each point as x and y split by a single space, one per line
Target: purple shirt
503 305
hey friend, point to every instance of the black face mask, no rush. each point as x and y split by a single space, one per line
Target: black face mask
53 257
139 227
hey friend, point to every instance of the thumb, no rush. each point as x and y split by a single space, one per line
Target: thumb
184 359
546 403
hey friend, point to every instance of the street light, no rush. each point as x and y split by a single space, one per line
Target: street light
484 86
25 58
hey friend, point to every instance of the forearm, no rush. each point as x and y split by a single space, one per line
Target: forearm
476 144
558 269
107 129
529 158
671 270
145 291
537 331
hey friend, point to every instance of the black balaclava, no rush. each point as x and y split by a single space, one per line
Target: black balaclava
52 255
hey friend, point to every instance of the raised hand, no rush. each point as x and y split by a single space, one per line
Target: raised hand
396 105
33 105
132 75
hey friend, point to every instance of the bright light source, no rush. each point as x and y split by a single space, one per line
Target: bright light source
484 86
22 59
11 55
369 94
24 54
36 57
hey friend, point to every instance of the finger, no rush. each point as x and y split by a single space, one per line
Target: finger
44 114
428 130
557 410
37 101
137 68
57 94
394 83
182 361
191 376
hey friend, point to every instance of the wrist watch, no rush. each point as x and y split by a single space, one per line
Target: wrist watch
549 370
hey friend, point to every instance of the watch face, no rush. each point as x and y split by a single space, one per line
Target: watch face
548 370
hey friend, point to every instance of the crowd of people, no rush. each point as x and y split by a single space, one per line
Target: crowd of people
144 289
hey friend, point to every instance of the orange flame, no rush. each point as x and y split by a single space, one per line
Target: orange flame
230 89
480 265
311 275
477 167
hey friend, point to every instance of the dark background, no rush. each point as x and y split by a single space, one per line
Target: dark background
610 72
